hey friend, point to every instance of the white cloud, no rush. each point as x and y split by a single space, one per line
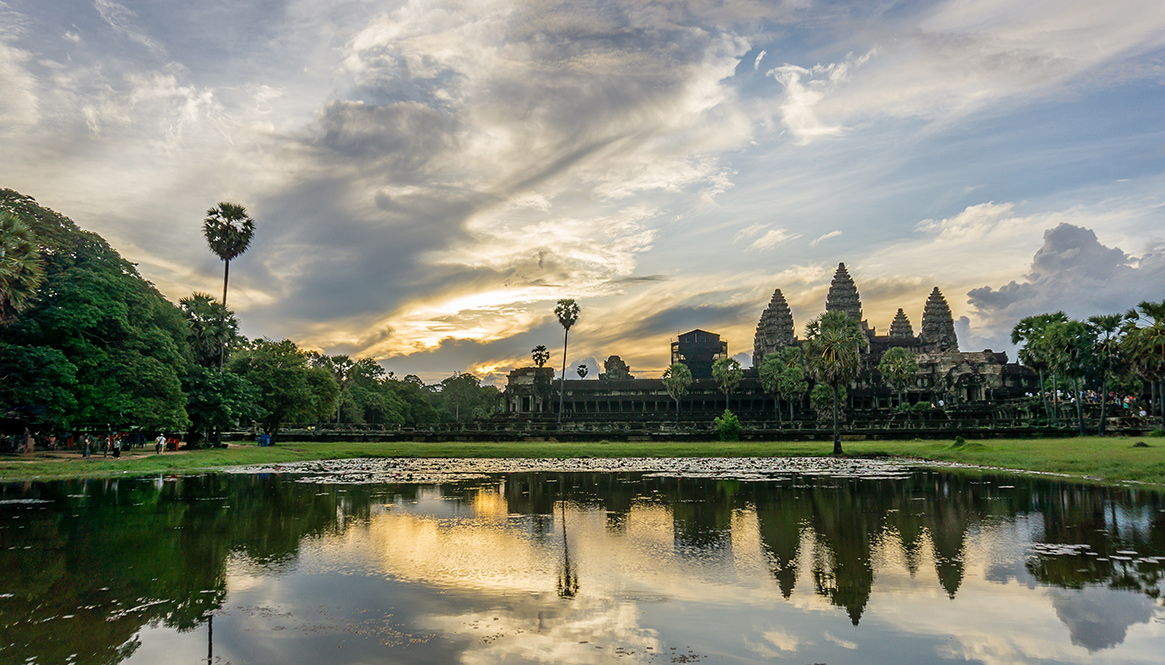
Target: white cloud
823 237
763 237
124 22
962 56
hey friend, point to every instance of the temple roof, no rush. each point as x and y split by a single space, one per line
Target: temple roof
843 295
938 326
900 328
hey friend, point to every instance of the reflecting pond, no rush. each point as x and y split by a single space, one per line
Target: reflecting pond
581 567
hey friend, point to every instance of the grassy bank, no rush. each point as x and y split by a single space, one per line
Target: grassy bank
1109 459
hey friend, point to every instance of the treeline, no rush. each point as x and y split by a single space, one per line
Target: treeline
86 343
1121 353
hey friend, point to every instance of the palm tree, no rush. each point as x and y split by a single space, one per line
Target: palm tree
540 355
213 328
567 313
769 373
1035 354
898 368
727 372
1106 348
1146 345
833 344
676 380
228 230
20 265
581 370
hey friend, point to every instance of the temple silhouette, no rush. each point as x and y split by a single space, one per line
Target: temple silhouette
947 376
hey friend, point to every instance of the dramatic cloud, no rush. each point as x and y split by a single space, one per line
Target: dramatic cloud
1075 273
429 178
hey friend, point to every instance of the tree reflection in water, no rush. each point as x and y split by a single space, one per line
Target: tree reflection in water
118 555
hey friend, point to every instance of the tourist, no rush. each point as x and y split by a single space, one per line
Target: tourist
159 444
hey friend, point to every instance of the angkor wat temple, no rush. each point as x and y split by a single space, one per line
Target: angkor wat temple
947 376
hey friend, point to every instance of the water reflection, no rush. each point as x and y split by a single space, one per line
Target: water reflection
541 567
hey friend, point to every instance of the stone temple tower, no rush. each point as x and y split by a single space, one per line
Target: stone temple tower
843 297
774 331
938 326
900 328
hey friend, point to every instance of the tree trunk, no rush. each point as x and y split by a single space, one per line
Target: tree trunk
777 407
1055 399
226 271
1103 404
562 380
836 433
1079 407
1044 399
791 417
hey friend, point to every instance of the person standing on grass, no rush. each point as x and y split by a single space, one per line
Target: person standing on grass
159 444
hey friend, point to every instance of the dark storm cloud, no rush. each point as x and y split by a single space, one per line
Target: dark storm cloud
1075 273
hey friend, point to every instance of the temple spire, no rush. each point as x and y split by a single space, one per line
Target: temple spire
900 328
938 326
774 331
843 296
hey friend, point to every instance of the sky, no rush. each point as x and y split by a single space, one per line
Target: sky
429 178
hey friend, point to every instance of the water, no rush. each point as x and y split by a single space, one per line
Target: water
596 567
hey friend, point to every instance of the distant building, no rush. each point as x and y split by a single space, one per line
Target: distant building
698 349
946 375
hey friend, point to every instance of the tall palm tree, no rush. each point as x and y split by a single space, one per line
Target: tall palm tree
567 313
1106 340
833 344
1146 344
228 230
898 367
676 380
20 265
727 373
1035 353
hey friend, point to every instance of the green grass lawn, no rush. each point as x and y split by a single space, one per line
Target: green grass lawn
1110 459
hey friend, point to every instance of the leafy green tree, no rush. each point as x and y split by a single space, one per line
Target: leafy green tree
540 355
127 345
676 380
793 383
339 367
783 375
289 390
581 370
37 384
228 230
727 426
1145 343
217 401
1069 344
727 374
898 368
567 313
416 397
832 346
1106 340
20 265
769 373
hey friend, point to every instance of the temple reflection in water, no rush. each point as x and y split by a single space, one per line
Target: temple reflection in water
562 559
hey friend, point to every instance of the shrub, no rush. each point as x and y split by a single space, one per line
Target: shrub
728 426
1158 433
